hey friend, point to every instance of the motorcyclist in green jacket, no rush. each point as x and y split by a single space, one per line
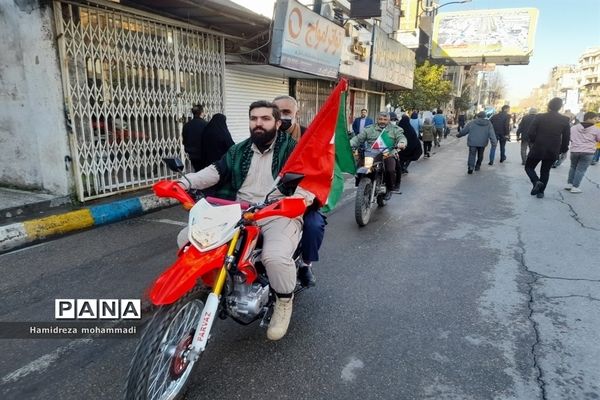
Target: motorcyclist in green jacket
388 135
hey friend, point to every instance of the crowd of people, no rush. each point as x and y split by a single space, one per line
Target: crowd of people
247 170
545 139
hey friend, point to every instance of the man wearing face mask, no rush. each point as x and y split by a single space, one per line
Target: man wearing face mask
247 172
314 221
289 116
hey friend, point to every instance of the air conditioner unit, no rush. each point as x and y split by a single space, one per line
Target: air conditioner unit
327 12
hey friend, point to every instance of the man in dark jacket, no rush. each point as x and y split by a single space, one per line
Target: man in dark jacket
549 136
360 123
501 124
522 133
480 132
192 136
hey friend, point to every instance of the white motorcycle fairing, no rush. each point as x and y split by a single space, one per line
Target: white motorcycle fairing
212 226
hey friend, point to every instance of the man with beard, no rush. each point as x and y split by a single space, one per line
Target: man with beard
370 135
247 172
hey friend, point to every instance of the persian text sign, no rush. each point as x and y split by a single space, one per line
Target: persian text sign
305 41
392 62
356 53
503 36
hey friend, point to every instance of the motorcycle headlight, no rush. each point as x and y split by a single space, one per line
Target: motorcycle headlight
368 162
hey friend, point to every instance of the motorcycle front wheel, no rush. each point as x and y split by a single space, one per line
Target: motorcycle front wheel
160 369
362 205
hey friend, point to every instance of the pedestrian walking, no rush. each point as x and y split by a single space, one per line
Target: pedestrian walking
549 136
427 136
584 139
596 157
501 124
360 123
415 122
462 120
480 131
439 122
191 136
522 130
413 150
216 140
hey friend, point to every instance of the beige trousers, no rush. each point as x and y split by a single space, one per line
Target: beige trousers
281 237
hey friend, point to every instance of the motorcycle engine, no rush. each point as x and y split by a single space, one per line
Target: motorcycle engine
245 302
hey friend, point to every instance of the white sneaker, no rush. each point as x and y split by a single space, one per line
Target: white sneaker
575 190
282 313
569 186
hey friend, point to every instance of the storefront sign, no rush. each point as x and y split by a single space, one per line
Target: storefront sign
392 62
305 41
356 53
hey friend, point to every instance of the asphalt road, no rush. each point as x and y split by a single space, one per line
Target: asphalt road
463 287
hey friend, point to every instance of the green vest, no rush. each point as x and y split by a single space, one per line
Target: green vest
233 167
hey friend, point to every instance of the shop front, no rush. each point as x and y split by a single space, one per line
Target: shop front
306 43
392 63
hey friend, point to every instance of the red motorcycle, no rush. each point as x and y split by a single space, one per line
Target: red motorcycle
218 273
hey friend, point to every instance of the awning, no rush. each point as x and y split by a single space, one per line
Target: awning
217 15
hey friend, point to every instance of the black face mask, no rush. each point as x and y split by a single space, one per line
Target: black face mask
262 138
286 123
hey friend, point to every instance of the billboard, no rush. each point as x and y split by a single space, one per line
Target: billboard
502 36
305 41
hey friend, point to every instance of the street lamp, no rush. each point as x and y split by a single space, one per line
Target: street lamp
436 7
431 13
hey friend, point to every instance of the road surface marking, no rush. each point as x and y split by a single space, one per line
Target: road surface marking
43 362
168 221
348 374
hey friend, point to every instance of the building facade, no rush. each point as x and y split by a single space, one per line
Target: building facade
589 79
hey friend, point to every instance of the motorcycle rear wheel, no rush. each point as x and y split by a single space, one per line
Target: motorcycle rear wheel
362 205
159 369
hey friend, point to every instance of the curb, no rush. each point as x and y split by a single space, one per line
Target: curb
22 233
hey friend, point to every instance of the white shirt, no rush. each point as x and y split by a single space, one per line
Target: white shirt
259 180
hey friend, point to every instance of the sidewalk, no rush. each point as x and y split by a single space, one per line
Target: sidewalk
61 217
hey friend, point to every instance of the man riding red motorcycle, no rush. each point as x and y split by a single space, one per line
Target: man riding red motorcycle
247 173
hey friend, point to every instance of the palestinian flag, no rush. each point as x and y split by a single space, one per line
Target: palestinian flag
344 160
316 154
383 141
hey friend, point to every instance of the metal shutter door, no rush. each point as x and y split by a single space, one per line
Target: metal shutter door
243 88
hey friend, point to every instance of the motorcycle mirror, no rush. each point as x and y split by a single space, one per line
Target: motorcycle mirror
174 164
289 182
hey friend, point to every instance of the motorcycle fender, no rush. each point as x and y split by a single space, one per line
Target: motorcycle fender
363 171
182 276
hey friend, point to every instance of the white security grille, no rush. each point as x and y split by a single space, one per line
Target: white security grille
129 82
311 95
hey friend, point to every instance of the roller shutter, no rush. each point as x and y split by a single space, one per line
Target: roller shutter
241 89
